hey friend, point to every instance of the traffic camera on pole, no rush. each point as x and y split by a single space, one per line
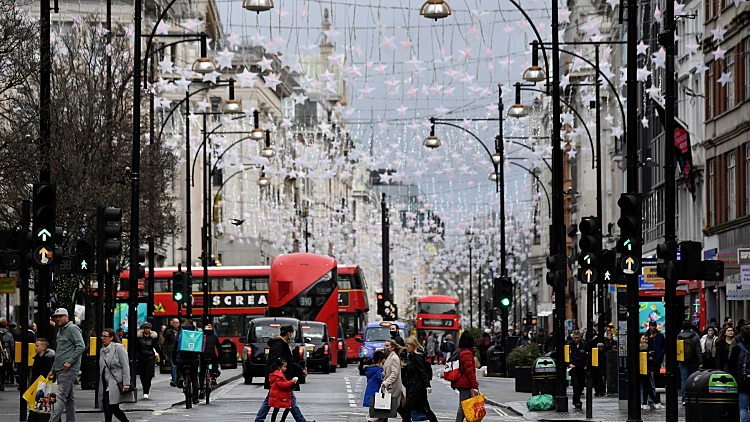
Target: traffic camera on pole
43 233
589 245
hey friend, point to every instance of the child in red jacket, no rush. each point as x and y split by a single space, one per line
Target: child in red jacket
280 396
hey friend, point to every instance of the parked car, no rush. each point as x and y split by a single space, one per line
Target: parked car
318 344
376 333
255 349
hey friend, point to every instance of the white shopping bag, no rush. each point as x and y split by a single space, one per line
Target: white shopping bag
382 400
46 397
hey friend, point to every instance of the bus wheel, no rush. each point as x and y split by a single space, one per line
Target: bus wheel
248 380
343 364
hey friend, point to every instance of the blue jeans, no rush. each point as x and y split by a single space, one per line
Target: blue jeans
744 407
263 411
686 369
653 388
174 369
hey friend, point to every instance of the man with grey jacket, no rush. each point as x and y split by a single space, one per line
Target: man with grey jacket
70 347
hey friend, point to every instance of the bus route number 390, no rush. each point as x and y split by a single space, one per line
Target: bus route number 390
305 301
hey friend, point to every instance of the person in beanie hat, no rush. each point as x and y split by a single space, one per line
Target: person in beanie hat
147 351
738 366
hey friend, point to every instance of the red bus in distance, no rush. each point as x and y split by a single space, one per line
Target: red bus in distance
238 294
353 307
305 286
437 314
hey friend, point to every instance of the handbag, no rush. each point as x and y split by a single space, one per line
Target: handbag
379 400
473 407
129 396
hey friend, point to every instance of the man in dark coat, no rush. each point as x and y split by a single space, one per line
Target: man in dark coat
170 339
279 347
577 366
210 355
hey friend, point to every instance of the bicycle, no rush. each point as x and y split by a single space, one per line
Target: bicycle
188 389
209 380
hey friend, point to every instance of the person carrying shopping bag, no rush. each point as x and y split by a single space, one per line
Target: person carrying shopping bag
148 351
115 384
391 379
467 380
418 383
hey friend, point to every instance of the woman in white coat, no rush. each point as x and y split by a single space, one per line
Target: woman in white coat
392 373
113 361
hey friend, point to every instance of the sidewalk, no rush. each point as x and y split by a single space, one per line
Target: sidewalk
501 392
161 396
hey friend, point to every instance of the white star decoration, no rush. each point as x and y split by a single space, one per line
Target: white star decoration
225 59
725 78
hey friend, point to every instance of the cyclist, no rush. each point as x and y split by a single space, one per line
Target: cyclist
187 361
210 355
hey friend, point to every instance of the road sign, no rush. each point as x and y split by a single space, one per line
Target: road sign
743 258
43 256
629 264
628 244
7 285
649 262
650 280
44 234
608 276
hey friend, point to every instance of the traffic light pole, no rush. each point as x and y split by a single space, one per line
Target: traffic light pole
670 295
386 225
135 199
631 158
188 212
557 236
24 280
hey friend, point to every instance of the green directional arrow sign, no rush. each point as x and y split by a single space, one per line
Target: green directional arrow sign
44 234
587 258
629 244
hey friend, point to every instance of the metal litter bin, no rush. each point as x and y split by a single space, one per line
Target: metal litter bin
228 359
543 376
495 361
711 394
89 366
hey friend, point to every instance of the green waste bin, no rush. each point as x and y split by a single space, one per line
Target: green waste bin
711 394
543 376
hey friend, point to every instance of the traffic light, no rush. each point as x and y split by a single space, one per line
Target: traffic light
607 267
43 231
141 262
690 260
556 274
629 243
178 286
83 262
381 304
589 245
503 292
668 252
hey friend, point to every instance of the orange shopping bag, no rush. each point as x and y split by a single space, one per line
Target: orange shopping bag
474 407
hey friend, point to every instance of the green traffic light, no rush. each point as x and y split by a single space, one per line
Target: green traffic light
505 302
178 296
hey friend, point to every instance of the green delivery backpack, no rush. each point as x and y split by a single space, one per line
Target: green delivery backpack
191 341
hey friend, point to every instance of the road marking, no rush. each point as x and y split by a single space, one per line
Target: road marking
349 392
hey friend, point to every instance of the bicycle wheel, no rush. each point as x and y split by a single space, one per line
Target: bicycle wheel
188 393
208 387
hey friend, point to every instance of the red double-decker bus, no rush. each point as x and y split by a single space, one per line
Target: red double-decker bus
353 307
305 286
438 314
238 294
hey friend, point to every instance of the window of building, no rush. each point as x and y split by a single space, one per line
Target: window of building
746 68
711 193
729 87
747 178
710 91
731 187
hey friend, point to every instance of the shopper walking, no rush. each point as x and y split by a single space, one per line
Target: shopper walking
724 345
148 351
467 380
693 358
392 374
113 361
577 367
647 391
418 383
708 348
738 366
170 339
70 346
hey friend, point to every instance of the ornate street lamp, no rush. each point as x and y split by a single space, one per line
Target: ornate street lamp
257 133
204 65
231 106
518 110
257 5
435 9
534 73
263 180
267 151
432 141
